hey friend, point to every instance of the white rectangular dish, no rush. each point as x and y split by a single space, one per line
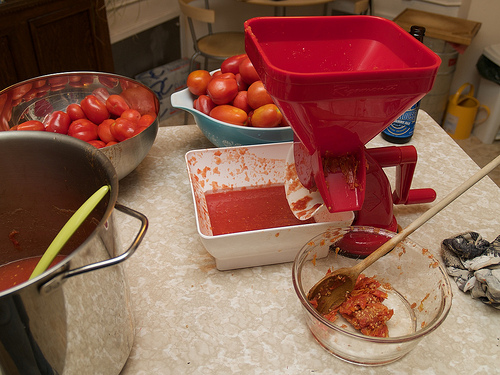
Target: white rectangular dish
248 166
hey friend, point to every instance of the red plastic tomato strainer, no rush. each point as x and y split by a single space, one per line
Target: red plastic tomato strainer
339 81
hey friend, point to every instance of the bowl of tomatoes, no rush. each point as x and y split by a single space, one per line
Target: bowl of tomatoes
115 114
231 106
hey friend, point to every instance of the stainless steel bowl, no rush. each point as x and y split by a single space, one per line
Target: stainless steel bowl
35 98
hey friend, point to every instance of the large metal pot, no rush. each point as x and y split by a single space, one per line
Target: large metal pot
76 317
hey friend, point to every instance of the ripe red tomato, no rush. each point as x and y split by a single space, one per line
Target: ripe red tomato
140 129
131 114
75 112
197 82
116 105
266 116
141 99
241 101
284 122
83 129
123 129
226 75
145 121
95 110
222 90
204 104
104 131
242 85
248 72
97 143
31 125
57 122
232 64
230 114
258 95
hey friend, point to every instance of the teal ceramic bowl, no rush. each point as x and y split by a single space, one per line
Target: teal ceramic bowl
222 134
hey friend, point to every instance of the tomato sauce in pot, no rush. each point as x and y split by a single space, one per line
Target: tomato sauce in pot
19 271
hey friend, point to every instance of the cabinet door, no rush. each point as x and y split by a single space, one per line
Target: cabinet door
17 61
74 37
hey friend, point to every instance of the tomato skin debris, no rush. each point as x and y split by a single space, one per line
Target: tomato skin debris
364 308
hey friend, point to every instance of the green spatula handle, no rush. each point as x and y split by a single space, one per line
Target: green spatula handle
68 230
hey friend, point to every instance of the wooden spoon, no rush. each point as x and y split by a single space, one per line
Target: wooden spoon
333 289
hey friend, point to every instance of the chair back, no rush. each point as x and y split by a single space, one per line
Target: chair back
195 13
198 14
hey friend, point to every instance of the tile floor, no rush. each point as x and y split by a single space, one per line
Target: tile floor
481 153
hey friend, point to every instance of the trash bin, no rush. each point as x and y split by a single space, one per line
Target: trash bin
434 103
488 66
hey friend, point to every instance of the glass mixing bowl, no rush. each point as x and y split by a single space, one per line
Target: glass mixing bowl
417 285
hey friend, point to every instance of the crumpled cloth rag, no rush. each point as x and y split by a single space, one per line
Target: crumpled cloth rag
474 263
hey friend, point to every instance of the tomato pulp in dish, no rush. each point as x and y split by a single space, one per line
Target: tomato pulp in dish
251 208
19 271
364 308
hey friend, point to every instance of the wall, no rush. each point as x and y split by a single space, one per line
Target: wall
129 17
486 12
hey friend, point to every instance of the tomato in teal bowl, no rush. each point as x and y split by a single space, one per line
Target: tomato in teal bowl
115 114
224 134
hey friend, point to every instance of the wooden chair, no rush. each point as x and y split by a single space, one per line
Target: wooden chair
217 46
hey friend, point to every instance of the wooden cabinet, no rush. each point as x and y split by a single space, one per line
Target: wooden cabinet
50 36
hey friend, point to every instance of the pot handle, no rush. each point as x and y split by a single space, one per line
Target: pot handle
56 281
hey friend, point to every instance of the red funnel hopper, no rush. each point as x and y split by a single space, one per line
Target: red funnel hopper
339 81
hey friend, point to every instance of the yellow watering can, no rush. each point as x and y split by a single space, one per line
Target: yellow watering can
461 113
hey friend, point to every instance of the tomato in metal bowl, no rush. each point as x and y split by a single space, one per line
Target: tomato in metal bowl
38 98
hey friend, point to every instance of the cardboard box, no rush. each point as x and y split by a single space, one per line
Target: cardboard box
450 29
164 81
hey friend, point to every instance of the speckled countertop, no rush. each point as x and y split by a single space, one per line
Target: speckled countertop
193 319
